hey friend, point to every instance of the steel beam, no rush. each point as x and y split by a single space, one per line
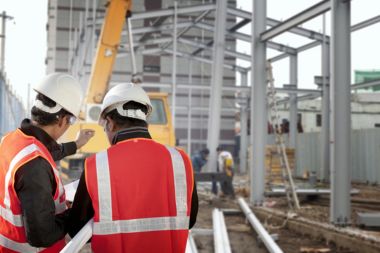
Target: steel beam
201 59
273 22
325 145
243 125
174 64
364 85
293 73
192 43
268 241
354 28
189 112
245 89
165 27
216 83
221 241
258 103
170 11
340 139
296 20
248 38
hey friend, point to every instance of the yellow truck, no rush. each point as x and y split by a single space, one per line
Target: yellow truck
160 122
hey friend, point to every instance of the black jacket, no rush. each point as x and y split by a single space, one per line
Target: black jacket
82 210
35 187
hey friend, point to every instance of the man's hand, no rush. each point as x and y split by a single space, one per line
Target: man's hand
84 136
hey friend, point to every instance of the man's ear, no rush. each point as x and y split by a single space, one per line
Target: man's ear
111 127
61 121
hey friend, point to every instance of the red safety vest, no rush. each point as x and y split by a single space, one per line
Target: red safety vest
141 194
16 149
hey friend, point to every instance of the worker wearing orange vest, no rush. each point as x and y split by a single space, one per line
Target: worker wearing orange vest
32 198
140 193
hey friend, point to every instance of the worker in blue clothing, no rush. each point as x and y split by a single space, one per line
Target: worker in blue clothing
200 159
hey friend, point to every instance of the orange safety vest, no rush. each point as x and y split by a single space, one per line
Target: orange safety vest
141 194
17 149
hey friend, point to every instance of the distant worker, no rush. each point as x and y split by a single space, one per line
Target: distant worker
32 198
140 193
225 165
200 159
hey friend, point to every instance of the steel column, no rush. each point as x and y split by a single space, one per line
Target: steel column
325 147
2 52
174 70
293 63
216 82
340 212
243 126
259 117
189 112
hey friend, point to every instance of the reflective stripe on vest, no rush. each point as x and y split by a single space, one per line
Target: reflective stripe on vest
20 155
14 219
6 212
107 226
18 246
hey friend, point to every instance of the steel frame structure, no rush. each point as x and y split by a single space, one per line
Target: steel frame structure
164 33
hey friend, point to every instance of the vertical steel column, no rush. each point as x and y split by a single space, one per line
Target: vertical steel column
259 117
293 111
216 82
243 126
189 110
2 53
70 36
325 134
174 71
341 114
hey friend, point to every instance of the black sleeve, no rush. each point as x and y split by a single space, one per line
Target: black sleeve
82 210
68 148
35 187
194 206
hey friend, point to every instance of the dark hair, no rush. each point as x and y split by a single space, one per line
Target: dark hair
205 151
124 122
45 118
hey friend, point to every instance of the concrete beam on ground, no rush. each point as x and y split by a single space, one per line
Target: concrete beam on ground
297 19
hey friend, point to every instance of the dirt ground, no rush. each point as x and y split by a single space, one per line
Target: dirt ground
242 237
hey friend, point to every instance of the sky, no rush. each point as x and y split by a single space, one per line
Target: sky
26 40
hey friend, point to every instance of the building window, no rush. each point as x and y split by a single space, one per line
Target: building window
377 124
318 120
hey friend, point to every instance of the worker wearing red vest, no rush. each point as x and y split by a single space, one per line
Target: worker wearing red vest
140 193
32 198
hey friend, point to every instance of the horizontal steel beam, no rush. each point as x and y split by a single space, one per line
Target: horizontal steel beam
296 20
365 23
354 28
164 27
204 60
273 22
364 85
192 43
248 38
170 11
228 88
265 237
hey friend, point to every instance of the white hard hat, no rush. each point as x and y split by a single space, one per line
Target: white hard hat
124 93
63 89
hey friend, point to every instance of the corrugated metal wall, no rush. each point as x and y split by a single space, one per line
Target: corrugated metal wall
365 150
12 110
